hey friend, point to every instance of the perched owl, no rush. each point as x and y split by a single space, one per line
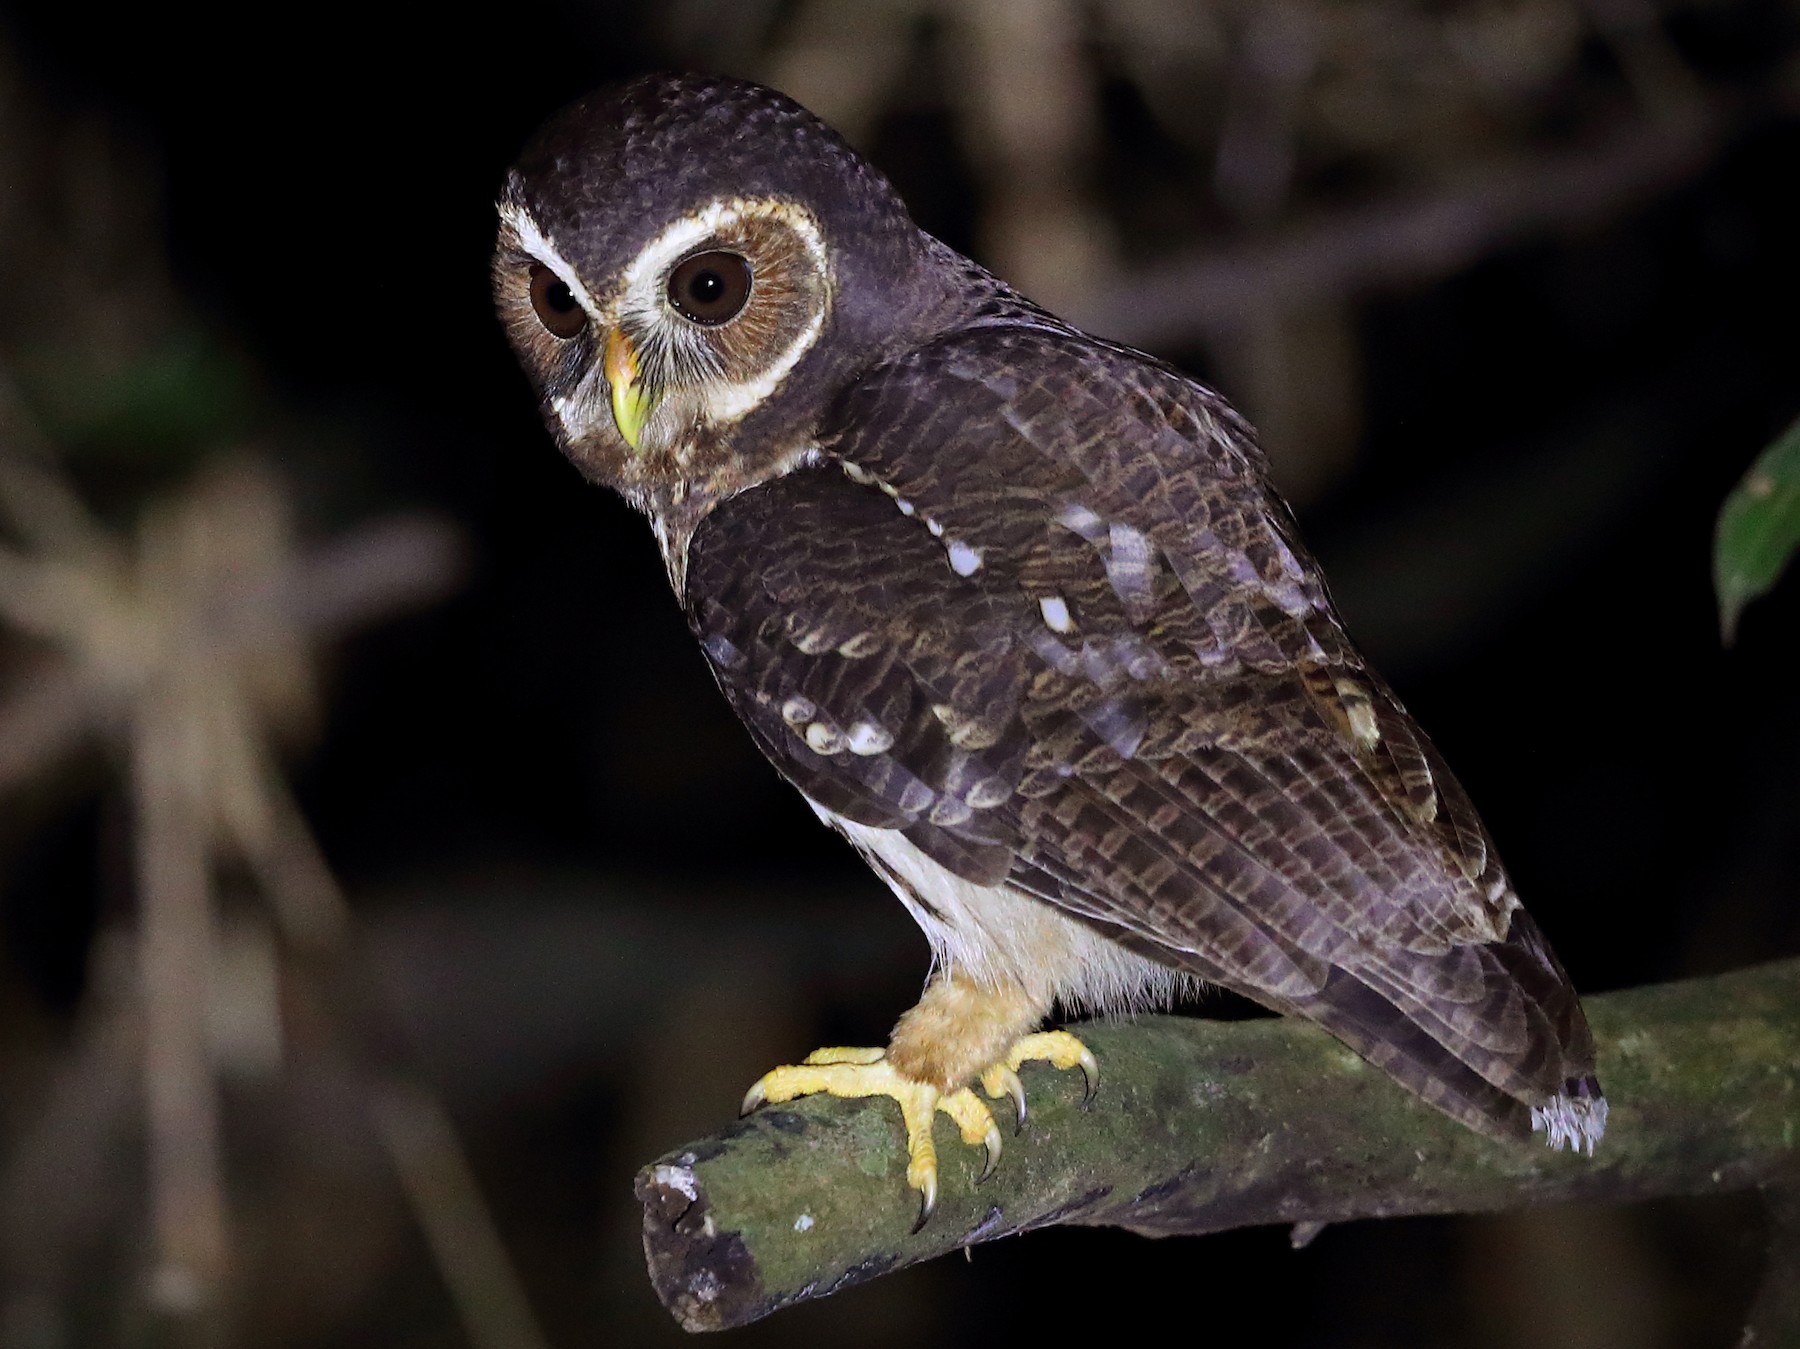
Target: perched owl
1019 613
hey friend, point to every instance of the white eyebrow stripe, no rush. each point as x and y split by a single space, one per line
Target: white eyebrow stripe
535 242
667 248
643 300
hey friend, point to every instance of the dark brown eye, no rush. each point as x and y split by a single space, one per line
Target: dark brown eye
710 287
556 305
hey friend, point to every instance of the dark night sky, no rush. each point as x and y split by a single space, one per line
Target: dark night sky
327 198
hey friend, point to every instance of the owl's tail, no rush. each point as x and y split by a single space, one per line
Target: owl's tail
1509 1056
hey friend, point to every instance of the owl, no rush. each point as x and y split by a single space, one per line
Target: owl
1019 613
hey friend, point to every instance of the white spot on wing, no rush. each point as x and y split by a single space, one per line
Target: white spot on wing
868 738
797 710
950 812
1055 610
824 738
1361 712
964 559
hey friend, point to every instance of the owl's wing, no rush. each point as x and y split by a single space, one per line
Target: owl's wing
1038 612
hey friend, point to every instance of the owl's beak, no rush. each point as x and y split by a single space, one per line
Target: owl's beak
633 402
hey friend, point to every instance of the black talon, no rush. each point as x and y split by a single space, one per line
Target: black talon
1090 1078
1016 1090
925 1207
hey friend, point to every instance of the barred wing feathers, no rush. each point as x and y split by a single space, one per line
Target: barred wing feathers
1037 610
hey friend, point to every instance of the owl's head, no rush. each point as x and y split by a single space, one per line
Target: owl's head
689 268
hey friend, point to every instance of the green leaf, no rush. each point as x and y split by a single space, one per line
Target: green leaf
1759 529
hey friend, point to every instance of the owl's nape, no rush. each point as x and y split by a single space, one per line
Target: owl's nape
1018 613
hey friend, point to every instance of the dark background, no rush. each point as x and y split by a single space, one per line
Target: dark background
600 914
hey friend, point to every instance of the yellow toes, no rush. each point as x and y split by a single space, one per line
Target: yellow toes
977 1124
833 1077
1061 1050
917 1107
842 1055
867 1072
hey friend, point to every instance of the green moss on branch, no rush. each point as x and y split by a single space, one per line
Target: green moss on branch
1203 1125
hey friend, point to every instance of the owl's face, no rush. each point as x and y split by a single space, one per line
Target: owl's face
689 269
644 368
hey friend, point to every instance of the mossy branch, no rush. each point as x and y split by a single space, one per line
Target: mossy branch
1201 1126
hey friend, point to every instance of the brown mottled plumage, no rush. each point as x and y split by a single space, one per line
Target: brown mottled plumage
1018 611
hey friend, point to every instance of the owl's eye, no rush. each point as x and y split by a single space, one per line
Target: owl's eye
556 305
710 288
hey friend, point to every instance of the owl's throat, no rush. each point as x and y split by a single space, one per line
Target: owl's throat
677 502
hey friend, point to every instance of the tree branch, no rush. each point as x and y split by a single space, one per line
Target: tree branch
1203 1125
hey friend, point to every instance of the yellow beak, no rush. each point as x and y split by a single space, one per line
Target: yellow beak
632 402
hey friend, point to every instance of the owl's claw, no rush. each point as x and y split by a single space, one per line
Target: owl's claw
867 1072
977 1124
1001 1081
1060 1050
927 1202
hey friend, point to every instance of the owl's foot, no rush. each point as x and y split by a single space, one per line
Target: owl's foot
1057 1048
867 1072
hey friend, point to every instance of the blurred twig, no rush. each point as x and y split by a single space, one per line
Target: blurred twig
62 1178
1397 242
192 652
187 1201
188 650
444 1194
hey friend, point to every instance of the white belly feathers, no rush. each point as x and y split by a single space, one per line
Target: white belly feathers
996 936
